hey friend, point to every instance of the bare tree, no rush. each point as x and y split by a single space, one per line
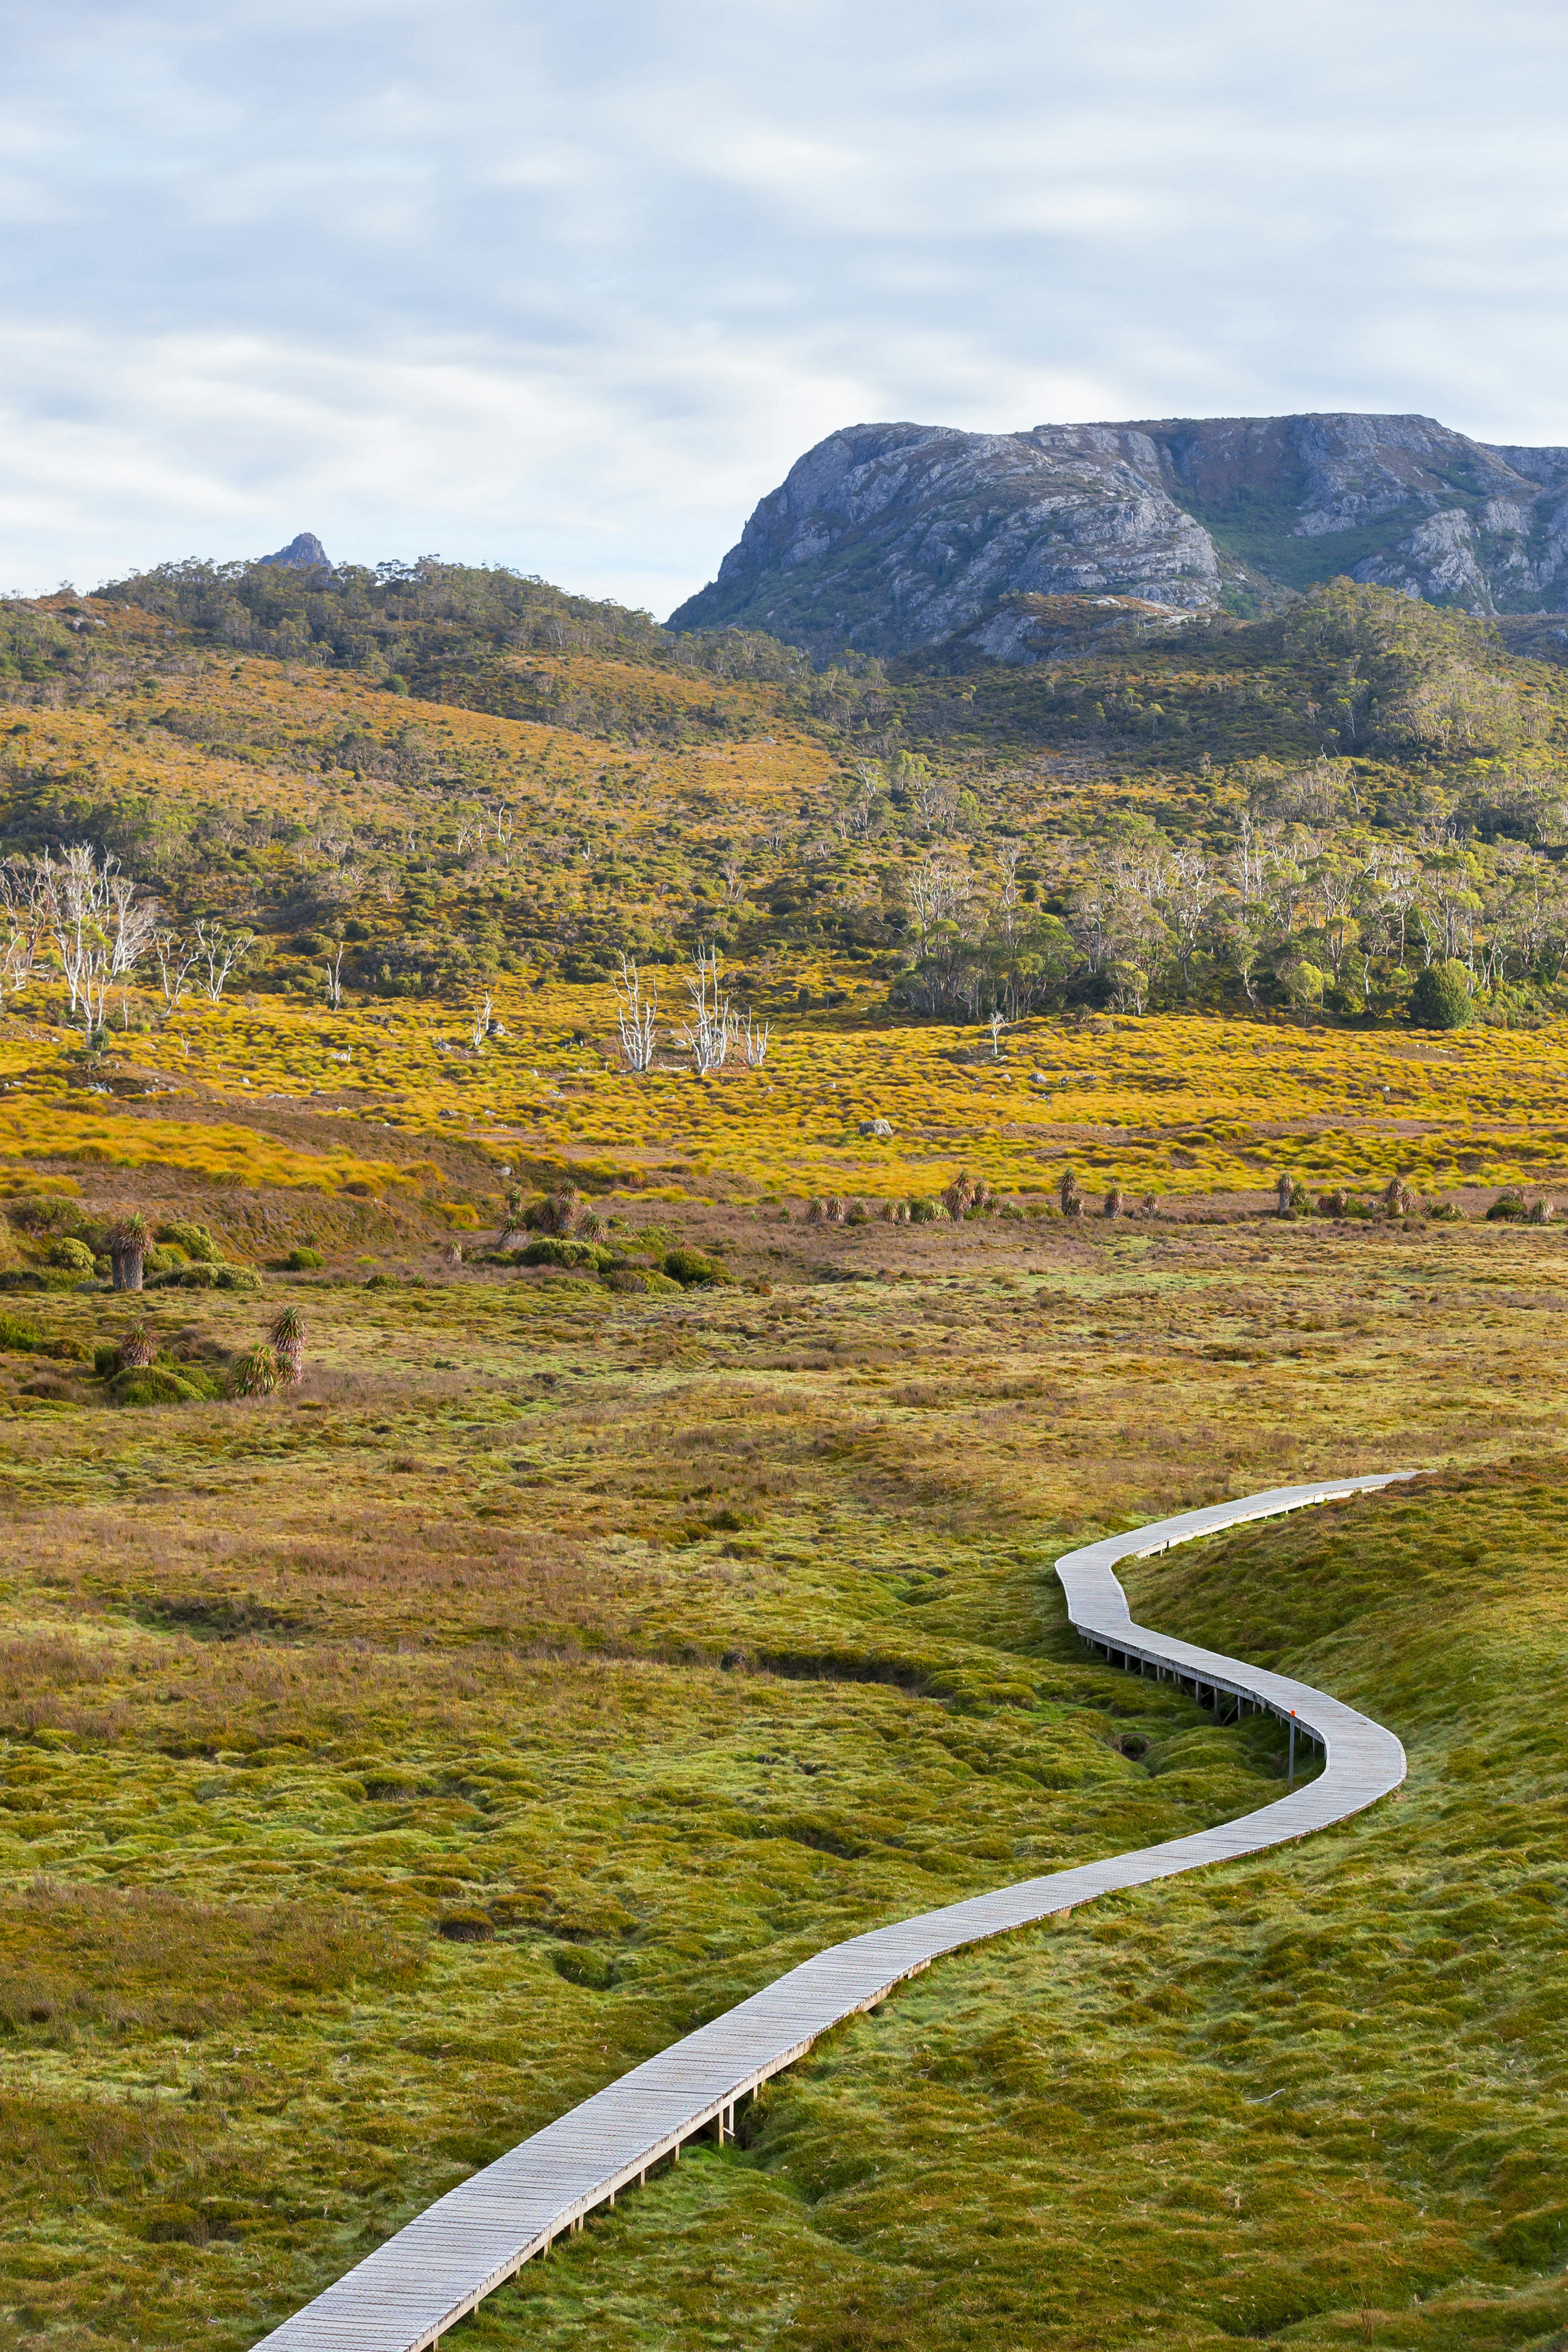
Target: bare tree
708 1029
221 952
634 1018
754 1039
26 924
335 977
482 1020
91 915
174 958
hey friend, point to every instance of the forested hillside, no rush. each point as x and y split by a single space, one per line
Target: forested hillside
451 773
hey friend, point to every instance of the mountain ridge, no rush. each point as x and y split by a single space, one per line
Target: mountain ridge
891 538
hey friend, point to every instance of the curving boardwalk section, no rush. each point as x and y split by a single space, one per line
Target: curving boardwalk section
405 2295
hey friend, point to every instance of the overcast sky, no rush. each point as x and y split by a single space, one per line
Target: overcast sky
570 287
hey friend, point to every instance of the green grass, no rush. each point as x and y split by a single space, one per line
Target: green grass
387 1767
1313 2099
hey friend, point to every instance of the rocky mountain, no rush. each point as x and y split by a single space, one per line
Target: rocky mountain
304 552
890 537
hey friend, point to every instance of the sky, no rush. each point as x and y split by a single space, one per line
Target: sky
571 288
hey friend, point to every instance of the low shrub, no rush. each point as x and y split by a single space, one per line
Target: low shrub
151 1384
302 1261
203 1276
43 1213
631 1280
466 1928
194 1239
691 1269
555 1252
1508 1207
72 1255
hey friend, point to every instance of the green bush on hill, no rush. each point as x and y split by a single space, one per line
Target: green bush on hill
1441 998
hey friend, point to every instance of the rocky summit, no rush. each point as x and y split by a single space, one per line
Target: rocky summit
304 552
893 538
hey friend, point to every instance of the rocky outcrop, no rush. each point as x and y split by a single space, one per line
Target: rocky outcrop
303 553
888 537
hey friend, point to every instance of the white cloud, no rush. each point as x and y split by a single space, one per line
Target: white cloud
570 289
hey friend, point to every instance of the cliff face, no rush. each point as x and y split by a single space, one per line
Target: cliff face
891 537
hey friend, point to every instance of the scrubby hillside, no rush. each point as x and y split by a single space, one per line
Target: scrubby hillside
1306 811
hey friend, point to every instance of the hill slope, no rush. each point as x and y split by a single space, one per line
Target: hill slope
889 537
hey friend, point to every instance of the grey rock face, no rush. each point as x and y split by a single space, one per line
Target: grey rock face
891 537
304 553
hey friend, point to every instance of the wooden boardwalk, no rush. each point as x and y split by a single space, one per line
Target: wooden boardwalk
423 2280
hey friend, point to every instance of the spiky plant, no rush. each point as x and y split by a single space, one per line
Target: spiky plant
287 1339
958 1197
562 1211
138 1349
837 1209
1114 1202
1070 1195
127 1250
1285 1193
1542 1213
255 1373
512 1223
857 1213
816 1213
592 1227
1151 1205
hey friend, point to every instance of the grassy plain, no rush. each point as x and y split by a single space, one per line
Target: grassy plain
649 1644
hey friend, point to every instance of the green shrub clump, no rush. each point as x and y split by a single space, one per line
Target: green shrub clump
632 1280
194 1240
72 1257
690 1268
206 1276
43 1212
302 1261
1441 998
151 1384
555 1252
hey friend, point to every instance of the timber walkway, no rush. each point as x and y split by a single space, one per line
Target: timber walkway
433 2273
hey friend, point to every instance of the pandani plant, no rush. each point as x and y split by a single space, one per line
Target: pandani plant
137 1349
127 1250
286 1340
256 1373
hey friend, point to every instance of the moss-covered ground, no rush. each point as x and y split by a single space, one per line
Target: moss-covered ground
390 1763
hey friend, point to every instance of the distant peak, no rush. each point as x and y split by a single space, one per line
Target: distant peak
305 553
